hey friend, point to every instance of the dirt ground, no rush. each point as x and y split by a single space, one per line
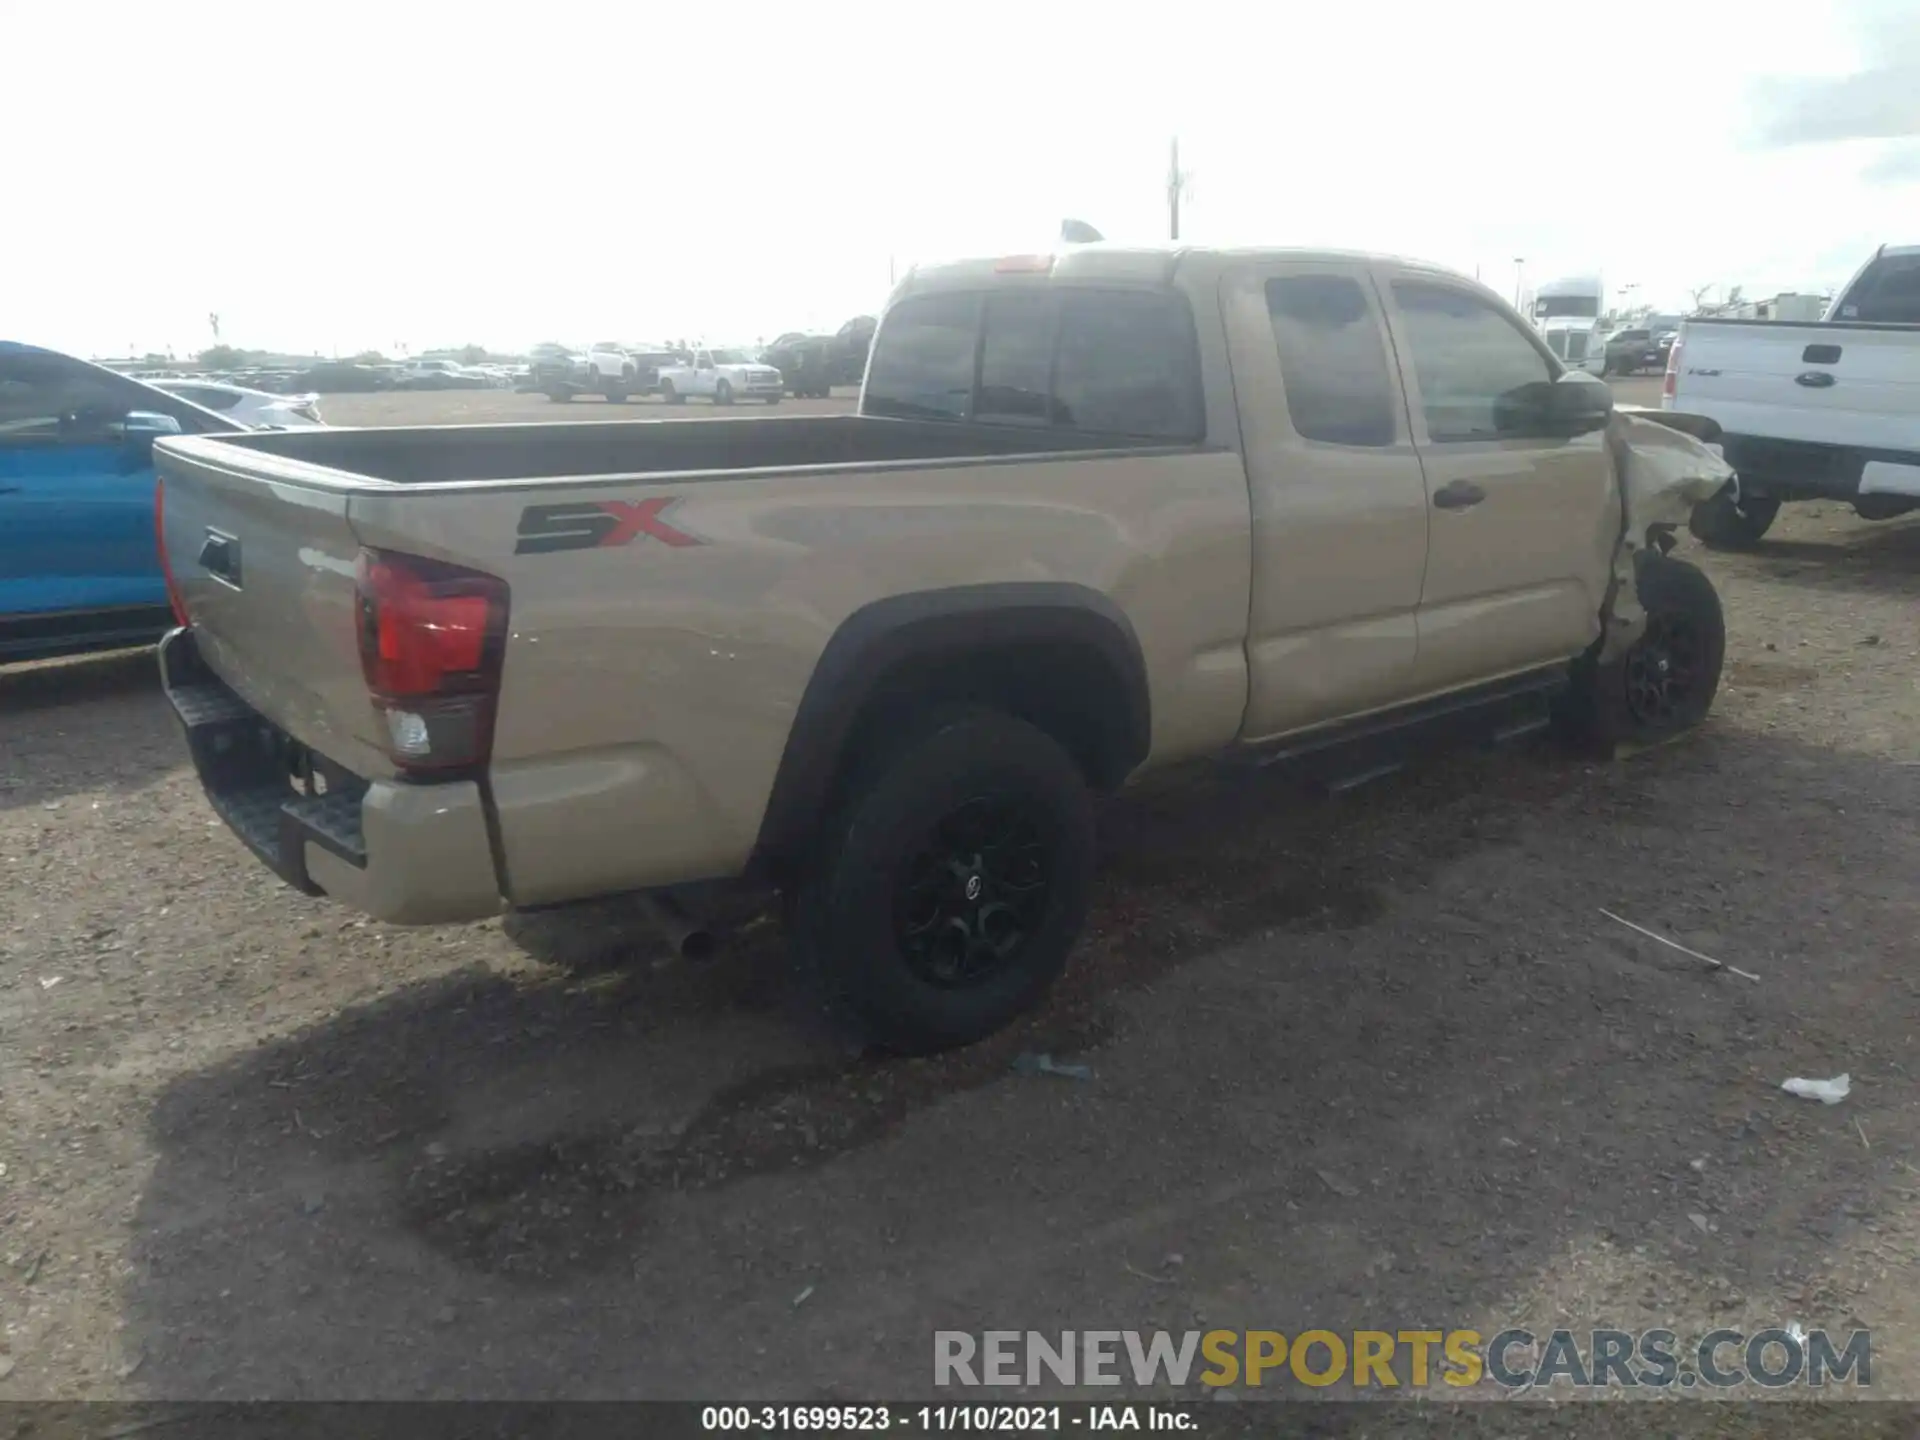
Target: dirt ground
1368 1063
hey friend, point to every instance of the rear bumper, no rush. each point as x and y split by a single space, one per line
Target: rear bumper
1806 470
410 854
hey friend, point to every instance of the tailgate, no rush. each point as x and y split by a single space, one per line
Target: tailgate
1823 384
265 568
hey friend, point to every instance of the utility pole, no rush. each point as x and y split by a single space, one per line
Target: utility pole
1176 187
1519 272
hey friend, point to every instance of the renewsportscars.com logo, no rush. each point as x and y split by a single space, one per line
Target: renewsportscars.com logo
1515 1359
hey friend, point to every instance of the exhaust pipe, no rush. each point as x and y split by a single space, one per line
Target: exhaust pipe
689 938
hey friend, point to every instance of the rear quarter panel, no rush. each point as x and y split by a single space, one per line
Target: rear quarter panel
650 686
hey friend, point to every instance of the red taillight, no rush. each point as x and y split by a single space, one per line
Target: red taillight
1670 381
160 539
432 637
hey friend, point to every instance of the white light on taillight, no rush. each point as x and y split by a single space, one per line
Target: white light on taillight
409 734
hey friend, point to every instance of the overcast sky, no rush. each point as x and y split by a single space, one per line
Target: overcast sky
409 174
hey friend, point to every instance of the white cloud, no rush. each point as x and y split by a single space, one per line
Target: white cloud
1878 99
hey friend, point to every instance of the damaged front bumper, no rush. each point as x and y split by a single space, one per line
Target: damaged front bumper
1667 462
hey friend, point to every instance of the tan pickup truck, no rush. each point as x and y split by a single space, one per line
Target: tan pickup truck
1099 512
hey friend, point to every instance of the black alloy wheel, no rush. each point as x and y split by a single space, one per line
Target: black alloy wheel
973 893
1663 670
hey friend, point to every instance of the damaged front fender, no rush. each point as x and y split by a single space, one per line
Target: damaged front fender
1666 463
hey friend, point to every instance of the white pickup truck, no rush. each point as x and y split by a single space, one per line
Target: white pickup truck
1821 411
722 376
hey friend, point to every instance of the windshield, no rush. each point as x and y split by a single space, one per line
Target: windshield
729 357
1582 307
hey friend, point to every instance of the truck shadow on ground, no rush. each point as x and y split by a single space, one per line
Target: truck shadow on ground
1880 558
1387 1025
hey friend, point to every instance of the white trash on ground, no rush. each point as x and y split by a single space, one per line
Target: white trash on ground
1827 1092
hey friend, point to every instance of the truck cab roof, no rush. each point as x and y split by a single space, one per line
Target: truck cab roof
1105 264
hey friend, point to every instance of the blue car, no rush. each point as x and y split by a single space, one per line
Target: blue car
79 567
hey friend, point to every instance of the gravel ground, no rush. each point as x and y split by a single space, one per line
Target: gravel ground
1376 1062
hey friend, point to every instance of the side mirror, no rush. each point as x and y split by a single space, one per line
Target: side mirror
1576 404
142 427
137 431
1580 404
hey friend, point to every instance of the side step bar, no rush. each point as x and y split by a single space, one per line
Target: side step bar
1349 754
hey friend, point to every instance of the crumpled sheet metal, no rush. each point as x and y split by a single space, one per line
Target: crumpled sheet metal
1664 472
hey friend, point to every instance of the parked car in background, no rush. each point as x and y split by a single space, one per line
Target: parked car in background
255 409
613 371
342 378
722 376
851 344
275 382
1631 351
649 361
1825 410
440 375
805 362
79 563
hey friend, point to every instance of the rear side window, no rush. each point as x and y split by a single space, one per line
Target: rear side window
1118 362
1126 363
1333 361
1888 294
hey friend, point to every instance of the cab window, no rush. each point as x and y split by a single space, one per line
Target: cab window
1333 362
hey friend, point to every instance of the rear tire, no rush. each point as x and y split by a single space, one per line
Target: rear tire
1666 682
1721 524
950 883
559 397
671 395
723 393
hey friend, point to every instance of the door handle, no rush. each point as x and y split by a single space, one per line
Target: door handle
9 489
1814 379
1458 495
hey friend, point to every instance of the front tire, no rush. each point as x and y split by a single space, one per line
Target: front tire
1666 683
951 882
1723 523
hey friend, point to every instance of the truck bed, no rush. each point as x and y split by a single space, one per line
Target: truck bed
457 454
669 588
